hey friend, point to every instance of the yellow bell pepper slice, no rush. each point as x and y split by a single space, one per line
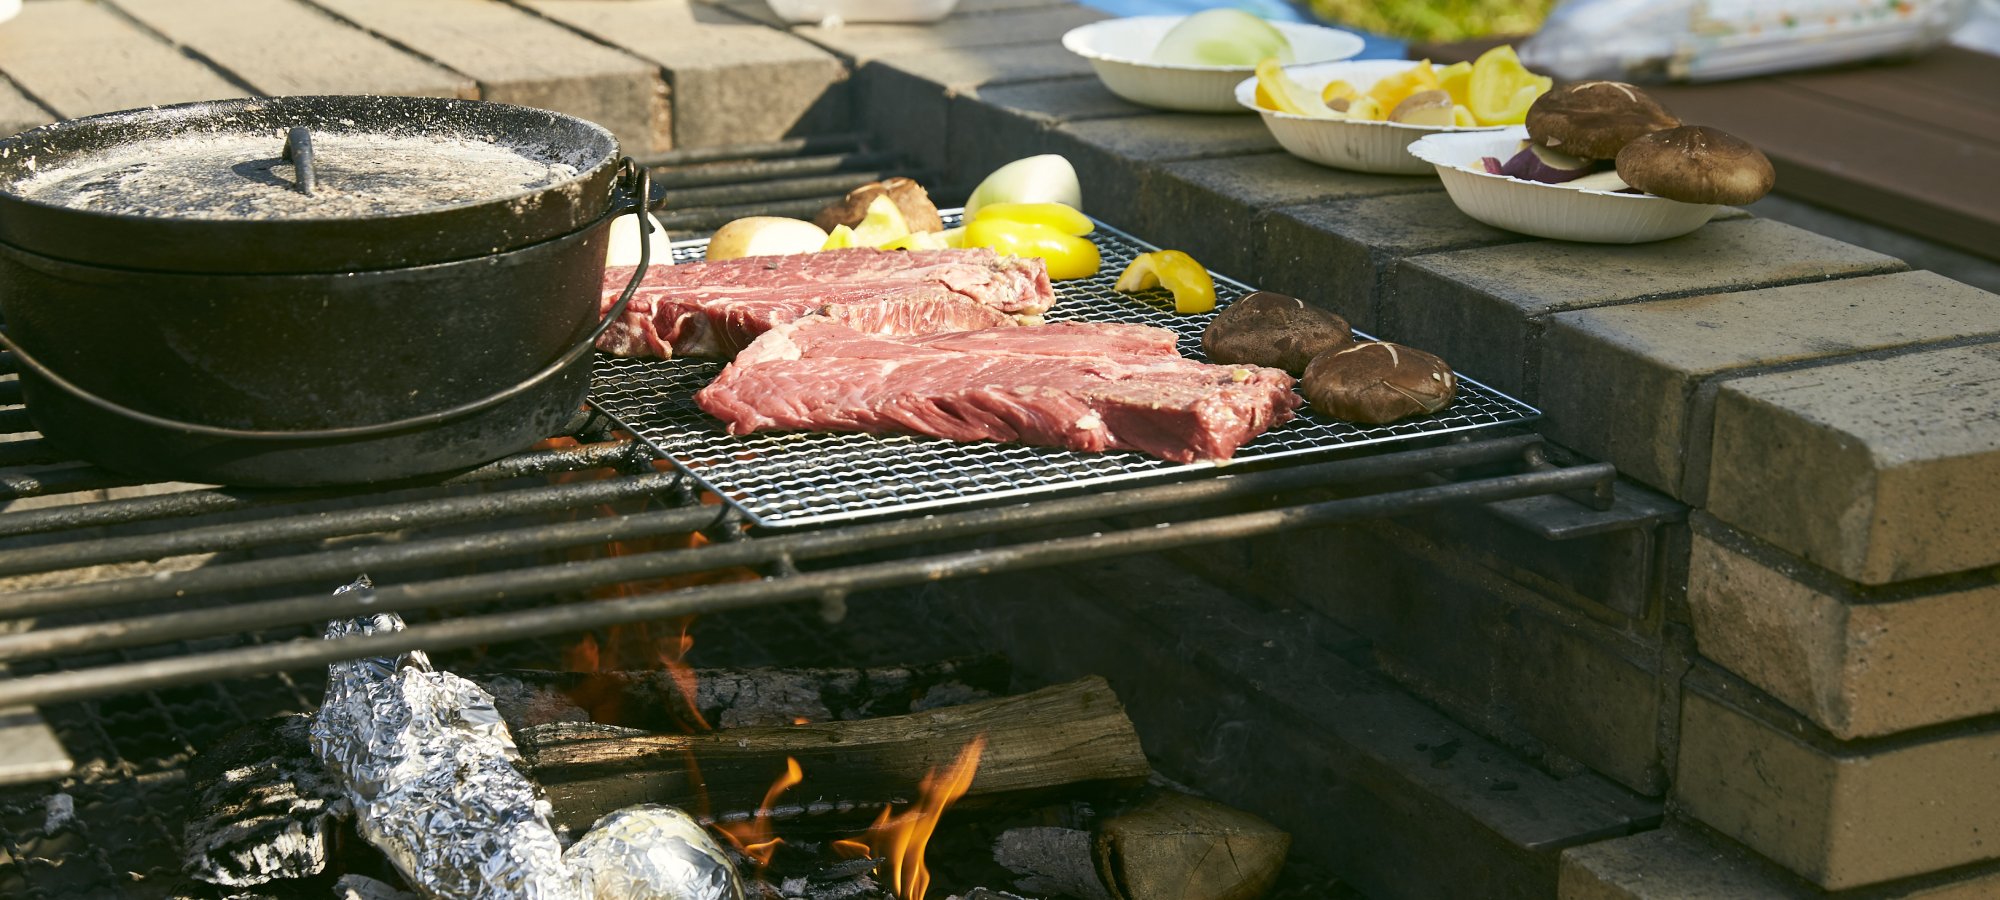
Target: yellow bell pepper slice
1055 215
1068 256
1456 80
1338 90
1398 87
840 238
1289 96
1501 89
1193 289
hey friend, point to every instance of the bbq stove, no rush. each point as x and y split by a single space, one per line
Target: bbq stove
143 622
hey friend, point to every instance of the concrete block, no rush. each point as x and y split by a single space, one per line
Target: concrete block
1842 815
1857 662
1484 310
910 101
1680 862
1393 797
1209 207
1634 385
18 113
81 60
1055 101
284 47
517 57
1118 159
732 81
1343 255
995 124
864 43
1879 470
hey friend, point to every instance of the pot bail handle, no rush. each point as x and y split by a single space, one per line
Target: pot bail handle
639 184
299 152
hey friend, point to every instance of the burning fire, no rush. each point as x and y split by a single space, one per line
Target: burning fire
901 840
754 837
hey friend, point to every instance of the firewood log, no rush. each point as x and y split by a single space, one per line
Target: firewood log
1073 735
1175 846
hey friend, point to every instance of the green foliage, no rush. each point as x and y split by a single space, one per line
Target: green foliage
1437 20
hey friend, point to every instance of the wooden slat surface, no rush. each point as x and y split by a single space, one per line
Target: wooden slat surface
283 47
1911 145
81 60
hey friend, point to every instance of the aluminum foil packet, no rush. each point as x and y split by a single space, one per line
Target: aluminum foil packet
428 765
654 852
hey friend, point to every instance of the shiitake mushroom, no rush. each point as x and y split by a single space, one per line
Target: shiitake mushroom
1267 329
1697 164
1373 382
1595 119
910 198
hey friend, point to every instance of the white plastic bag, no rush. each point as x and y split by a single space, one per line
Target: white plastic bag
1710 40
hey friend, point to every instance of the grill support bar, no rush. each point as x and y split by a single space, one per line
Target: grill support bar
520 624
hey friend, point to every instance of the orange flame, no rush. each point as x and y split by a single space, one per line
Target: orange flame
901 840
754 837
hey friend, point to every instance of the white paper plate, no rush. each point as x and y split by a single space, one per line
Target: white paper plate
1347 143
1119 49
1545 210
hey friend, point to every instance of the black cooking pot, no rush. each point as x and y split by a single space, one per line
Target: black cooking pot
307 290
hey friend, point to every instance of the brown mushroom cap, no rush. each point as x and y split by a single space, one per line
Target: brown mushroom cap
1267 329
1374 382
1595 119
910 198
1697 164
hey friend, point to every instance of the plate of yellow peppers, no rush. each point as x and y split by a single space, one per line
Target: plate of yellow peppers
1362 114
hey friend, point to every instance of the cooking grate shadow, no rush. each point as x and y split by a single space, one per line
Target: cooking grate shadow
786 479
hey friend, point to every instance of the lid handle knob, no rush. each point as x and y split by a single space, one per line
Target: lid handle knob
299 152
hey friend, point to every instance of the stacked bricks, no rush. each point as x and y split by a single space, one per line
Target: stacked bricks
1788 651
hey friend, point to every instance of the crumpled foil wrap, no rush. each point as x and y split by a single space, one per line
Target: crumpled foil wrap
430 770
654 852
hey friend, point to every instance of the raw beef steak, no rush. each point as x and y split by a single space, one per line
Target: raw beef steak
717 308
1084 386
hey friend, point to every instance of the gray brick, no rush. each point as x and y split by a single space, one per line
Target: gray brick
1840 815
1209 207
1679 862
1117 159
519 58
914 102
1344 255
1879 470
18 113
283 47
1635 385
81 60
1226 694
733 82
964 69
864 43
995 124
1858 662
1484 310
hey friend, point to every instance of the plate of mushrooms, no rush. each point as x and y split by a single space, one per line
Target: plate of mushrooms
1601 162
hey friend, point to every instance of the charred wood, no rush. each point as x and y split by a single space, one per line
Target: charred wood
736 698
1071 736
264 807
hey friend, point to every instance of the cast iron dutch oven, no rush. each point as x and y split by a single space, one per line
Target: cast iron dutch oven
307 290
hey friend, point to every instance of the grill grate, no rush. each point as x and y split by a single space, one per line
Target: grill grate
795 478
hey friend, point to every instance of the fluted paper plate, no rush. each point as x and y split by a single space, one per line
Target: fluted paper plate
1545 210
1358 145
1120 51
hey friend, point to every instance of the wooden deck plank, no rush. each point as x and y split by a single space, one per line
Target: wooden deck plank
1939 90
283 47
1934 184
517 57
81 60
733 81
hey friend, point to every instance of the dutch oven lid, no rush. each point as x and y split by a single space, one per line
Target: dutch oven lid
302 184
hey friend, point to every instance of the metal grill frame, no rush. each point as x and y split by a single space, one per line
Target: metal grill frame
794 479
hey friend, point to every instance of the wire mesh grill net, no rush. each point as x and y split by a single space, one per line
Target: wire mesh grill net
801 478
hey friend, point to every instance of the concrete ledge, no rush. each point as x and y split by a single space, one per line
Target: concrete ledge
733 82
1484 310
1858 662
1635 385
1396 799
1344 255
864 43
1682 862
1117 160
281 47
1879 470
997 123
912 102
81 60
1841 815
